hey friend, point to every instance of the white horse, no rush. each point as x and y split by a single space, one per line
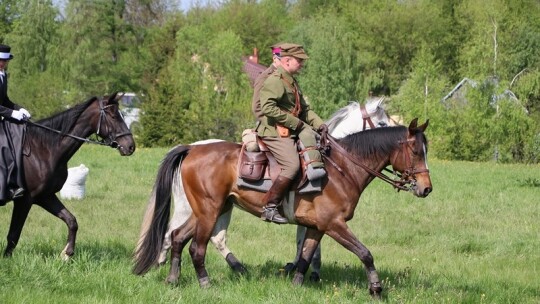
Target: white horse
349 119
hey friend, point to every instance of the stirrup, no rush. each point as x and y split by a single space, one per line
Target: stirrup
271 214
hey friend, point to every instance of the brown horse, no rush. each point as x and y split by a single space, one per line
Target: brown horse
353 162
49 145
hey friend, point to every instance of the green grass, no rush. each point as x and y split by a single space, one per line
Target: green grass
475 239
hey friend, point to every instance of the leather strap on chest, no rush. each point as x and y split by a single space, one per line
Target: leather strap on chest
294 89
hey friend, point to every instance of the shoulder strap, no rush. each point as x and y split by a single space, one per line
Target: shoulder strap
294 88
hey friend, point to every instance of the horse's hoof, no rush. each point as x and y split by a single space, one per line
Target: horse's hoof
204 283
289 268
375 290
171 280
65 257
235 265
298 279
314 277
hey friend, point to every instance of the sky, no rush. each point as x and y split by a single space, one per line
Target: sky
183 4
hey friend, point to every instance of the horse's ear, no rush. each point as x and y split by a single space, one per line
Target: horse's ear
424 126
115 97
413 124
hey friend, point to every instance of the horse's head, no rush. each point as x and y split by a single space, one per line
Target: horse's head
354 118
111 126
411 160
376 112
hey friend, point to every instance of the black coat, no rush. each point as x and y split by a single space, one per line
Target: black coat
11 138
6 105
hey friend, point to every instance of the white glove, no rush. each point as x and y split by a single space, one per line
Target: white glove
18 115
25 113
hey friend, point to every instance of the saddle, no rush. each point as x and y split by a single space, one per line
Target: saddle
258 168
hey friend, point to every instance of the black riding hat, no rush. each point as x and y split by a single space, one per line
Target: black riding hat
5 52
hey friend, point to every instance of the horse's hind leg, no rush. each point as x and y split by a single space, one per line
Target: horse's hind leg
180 237
310 243
53 205
343 235
219 239
21 207
316 261
197 250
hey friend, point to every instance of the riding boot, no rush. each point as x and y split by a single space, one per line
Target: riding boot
273 199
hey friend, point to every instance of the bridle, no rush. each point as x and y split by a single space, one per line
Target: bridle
410 169
110 140
407 179
366 118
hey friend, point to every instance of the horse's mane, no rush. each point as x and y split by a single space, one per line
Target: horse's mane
62 122
341 114
380 141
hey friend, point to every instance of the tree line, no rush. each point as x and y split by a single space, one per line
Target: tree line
470 66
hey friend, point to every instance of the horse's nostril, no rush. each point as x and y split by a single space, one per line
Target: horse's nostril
427 191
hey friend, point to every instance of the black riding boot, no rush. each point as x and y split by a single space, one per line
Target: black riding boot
273 199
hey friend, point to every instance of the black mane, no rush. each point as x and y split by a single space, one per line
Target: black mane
62 121
378 141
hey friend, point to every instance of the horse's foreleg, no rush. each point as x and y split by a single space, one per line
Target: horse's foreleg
311 241
180 237
53 205
219 239
343 235
21 207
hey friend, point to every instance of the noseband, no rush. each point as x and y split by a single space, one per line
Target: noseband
409 174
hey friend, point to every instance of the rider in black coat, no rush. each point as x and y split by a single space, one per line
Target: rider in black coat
12 128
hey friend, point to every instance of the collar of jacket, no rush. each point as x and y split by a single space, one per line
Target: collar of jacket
282 73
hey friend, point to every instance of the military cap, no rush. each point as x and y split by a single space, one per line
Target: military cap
289 49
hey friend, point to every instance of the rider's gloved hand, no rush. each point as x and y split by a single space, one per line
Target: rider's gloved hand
323 128
299 125
25 113
18 115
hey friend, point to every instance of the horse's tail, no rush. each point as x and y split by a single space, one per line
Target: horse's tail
158 211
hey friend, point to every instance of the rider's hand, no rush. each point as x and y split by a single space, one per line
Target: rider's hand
25 113
18 115
299 125
323 128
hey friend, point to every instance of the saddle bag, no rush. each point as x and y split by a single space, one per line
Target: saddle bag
252 165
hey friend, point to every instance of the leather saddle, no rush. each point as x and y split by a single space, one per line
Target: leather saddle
257 165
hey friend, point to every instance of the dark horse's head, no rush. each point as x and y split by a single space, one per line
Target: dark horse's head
95 116
112 128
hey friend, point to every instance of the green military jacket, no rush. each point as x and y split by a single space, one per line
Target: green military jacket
277 100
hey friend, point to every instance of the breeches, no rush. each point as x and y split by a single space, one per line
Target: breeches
284 150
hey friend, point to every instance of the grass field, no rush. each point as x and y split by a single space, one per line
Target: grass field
475 239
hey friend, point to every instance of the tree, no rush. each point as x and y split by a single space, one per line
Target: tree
35 41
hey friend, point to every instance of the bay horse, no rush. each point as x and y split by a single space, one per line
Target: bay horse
48 146
352 118
352 163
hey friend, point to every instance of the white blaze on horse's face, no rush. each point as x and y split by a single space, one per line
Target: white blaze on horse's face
425 155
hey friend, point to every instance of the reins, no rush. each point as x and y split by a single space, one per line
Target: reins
328 142
112 141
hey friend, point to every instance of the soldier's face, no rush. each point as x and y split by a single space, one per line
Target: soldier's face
293 65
